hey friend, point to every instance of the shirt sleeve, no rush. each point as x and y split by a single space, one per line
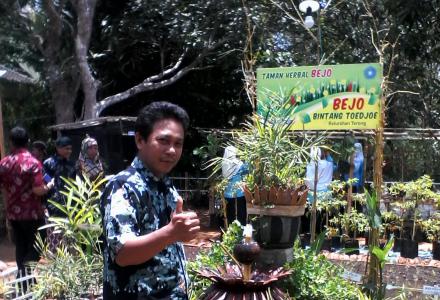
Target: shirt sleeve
48 167
37 174
120 222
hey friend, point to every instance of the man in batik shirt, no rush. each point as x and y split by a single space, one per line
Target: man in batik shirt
142 214
56 167
21 177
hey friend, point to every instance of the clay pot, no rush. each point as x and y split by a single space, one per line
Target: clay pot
246 252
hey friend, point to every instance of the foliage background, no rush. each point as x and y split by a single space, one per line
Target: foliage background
132 39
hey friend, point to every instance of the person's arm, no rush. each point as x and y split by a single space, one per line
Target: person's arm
120 229
39 188
43 189
183 227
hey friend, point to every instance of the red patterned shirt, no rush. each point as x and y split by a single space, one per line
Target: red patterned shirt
19 172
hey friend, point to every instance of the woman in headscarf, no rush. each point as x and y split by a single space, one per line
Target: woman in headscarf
89 163
324 176
234 170
358 171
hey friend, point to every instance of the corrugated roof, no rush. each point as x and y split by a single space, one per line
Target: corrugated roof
92 122
14 76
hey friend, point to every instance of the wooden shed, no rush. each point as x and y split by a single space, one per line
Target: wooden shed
115 136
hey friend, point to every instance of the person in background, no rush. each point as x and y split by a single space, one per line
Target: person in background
39 150
55 167
324 176
21 179
328 157
89 163
234 170
358 169
143 220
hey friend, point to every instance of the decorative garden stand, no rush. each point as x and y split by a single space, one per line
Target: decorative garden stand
237 281
276 215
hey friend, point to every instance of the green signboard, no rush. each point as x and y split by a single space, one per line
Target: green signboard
333 97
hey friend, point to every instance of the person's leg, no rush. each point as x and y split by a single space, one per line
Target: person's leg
230 209
241 210
32 254
20 245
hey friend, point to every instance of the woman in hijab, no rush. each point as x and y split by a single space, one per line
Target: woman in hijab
234 170
89 163
324 176
358 171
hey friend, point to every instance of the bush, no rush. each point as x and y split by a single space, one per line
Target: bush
315 278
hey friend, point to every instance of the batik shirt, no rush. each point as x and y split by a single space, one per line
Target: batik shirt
57 167
19 172
136 203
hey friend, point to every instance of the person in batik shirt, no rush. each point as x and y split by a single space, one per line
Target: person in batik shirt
57 166
21 177
143 220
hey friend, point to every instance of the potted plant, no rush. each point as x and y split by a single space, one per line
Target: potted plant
330 204
431 227
413 194
355 222
274 187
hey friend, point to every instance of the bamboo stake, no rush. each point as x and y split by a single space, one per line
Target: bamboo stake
374 273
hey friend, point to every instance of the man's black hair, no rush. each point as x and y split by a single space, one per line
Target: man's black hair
18 137
157 111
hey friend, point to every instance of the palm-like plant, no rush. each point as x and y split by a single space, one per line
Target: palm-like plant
276 157
81 223
74 269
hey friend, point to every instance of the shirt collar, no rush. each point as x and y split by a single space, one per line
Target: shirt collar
141 168
19 150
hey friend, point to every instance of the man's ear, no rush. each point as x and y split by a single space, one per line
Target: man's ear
139 139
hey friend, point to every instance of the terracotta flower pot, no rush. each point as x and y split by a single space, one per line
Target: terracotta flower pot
276 196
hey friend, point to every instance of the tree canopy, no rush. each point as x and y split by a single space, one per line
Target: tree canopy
112 57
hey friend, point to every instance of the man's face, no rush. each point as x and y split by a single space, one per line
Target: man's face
161 151
37 154
65 151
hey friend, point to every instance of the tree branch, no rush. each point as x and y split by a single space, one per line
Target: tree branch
151 83
146 85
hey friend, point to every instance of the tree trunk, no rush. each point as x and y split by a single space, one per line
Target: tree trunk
63 95
85 10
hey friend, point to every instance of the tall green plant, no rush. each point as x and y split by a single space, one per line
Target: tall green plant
275 156
81 220
74 269
431 227
413 193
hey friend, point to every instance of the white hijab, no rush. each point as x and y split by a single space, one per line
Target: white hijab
325 170
230 164
358 153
